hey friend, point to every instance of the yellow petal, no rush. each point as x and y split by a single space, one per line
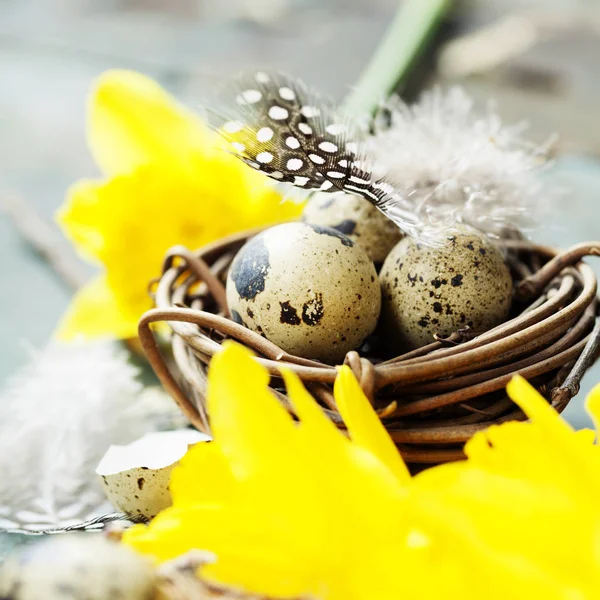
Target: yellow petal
262 494
94 313
253 430
129 223
78 218
331 457
321 428
517 531
364 425
570 452
534 405
202 477
132 122
592 404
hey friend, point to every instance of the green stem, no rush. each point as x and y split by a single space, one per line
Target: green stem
411 29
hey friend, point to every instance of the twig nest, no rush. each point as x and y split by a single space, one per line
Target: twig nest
76 567
438 290
136 477
309 289
358 219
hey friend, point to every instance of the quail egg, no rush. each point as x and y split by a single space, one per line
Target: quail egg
76 567
357 218
309 289
440 289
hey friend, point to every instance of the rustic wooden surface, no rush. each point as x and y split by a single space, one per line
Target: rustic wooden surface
50 50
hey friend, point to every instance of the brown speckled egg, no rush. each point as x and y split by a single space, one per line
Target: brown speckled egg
357 218
76 567
309 289
429 290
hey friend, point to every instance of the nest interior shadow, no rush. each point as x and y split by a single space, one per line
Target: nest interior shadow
431 400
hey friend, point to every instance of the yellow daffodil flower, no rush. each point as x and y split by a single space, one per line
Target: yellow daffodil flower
288 508
521 516
297 509
167 182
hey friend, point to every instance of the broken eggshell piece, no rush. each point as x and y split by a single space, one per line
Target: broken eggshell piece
136 477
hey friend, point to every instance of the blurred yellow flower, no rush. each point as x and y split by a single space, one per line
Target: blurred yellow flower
287 508
520 518
167 182
293 509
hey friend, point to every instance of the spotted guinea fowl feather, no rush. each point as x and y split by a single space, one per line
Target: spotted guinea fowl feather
276 125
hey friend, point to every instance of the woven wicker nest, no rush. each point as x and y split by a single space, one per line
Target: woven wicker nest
431 400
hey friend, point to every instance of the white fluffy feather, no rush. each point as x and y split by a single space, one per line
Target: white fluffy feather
457 166
58 416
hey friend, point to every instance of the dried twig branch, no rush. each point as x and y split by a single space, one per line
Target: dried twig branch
46 242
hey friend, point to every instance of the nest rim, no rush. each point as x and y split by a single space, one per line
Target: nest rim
553 341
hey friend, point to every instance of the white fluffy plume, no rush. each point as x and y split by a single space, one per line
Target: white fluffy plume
458 166
58 416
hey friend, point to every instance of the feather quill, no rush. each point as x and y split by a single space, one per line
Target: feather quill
58 416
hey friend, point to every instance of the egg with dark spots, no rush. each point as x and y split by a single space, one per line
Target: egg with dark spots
307 288
76 567
464 281
357 218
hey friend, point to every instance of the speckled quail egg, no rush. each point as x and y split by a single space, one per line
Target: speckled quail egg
76 567
309 289
357 218
440 289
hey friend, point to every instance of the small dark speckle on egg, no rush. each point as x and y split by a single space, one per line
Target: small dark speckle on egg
347 226
250 269
346 241
289 314
313 310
